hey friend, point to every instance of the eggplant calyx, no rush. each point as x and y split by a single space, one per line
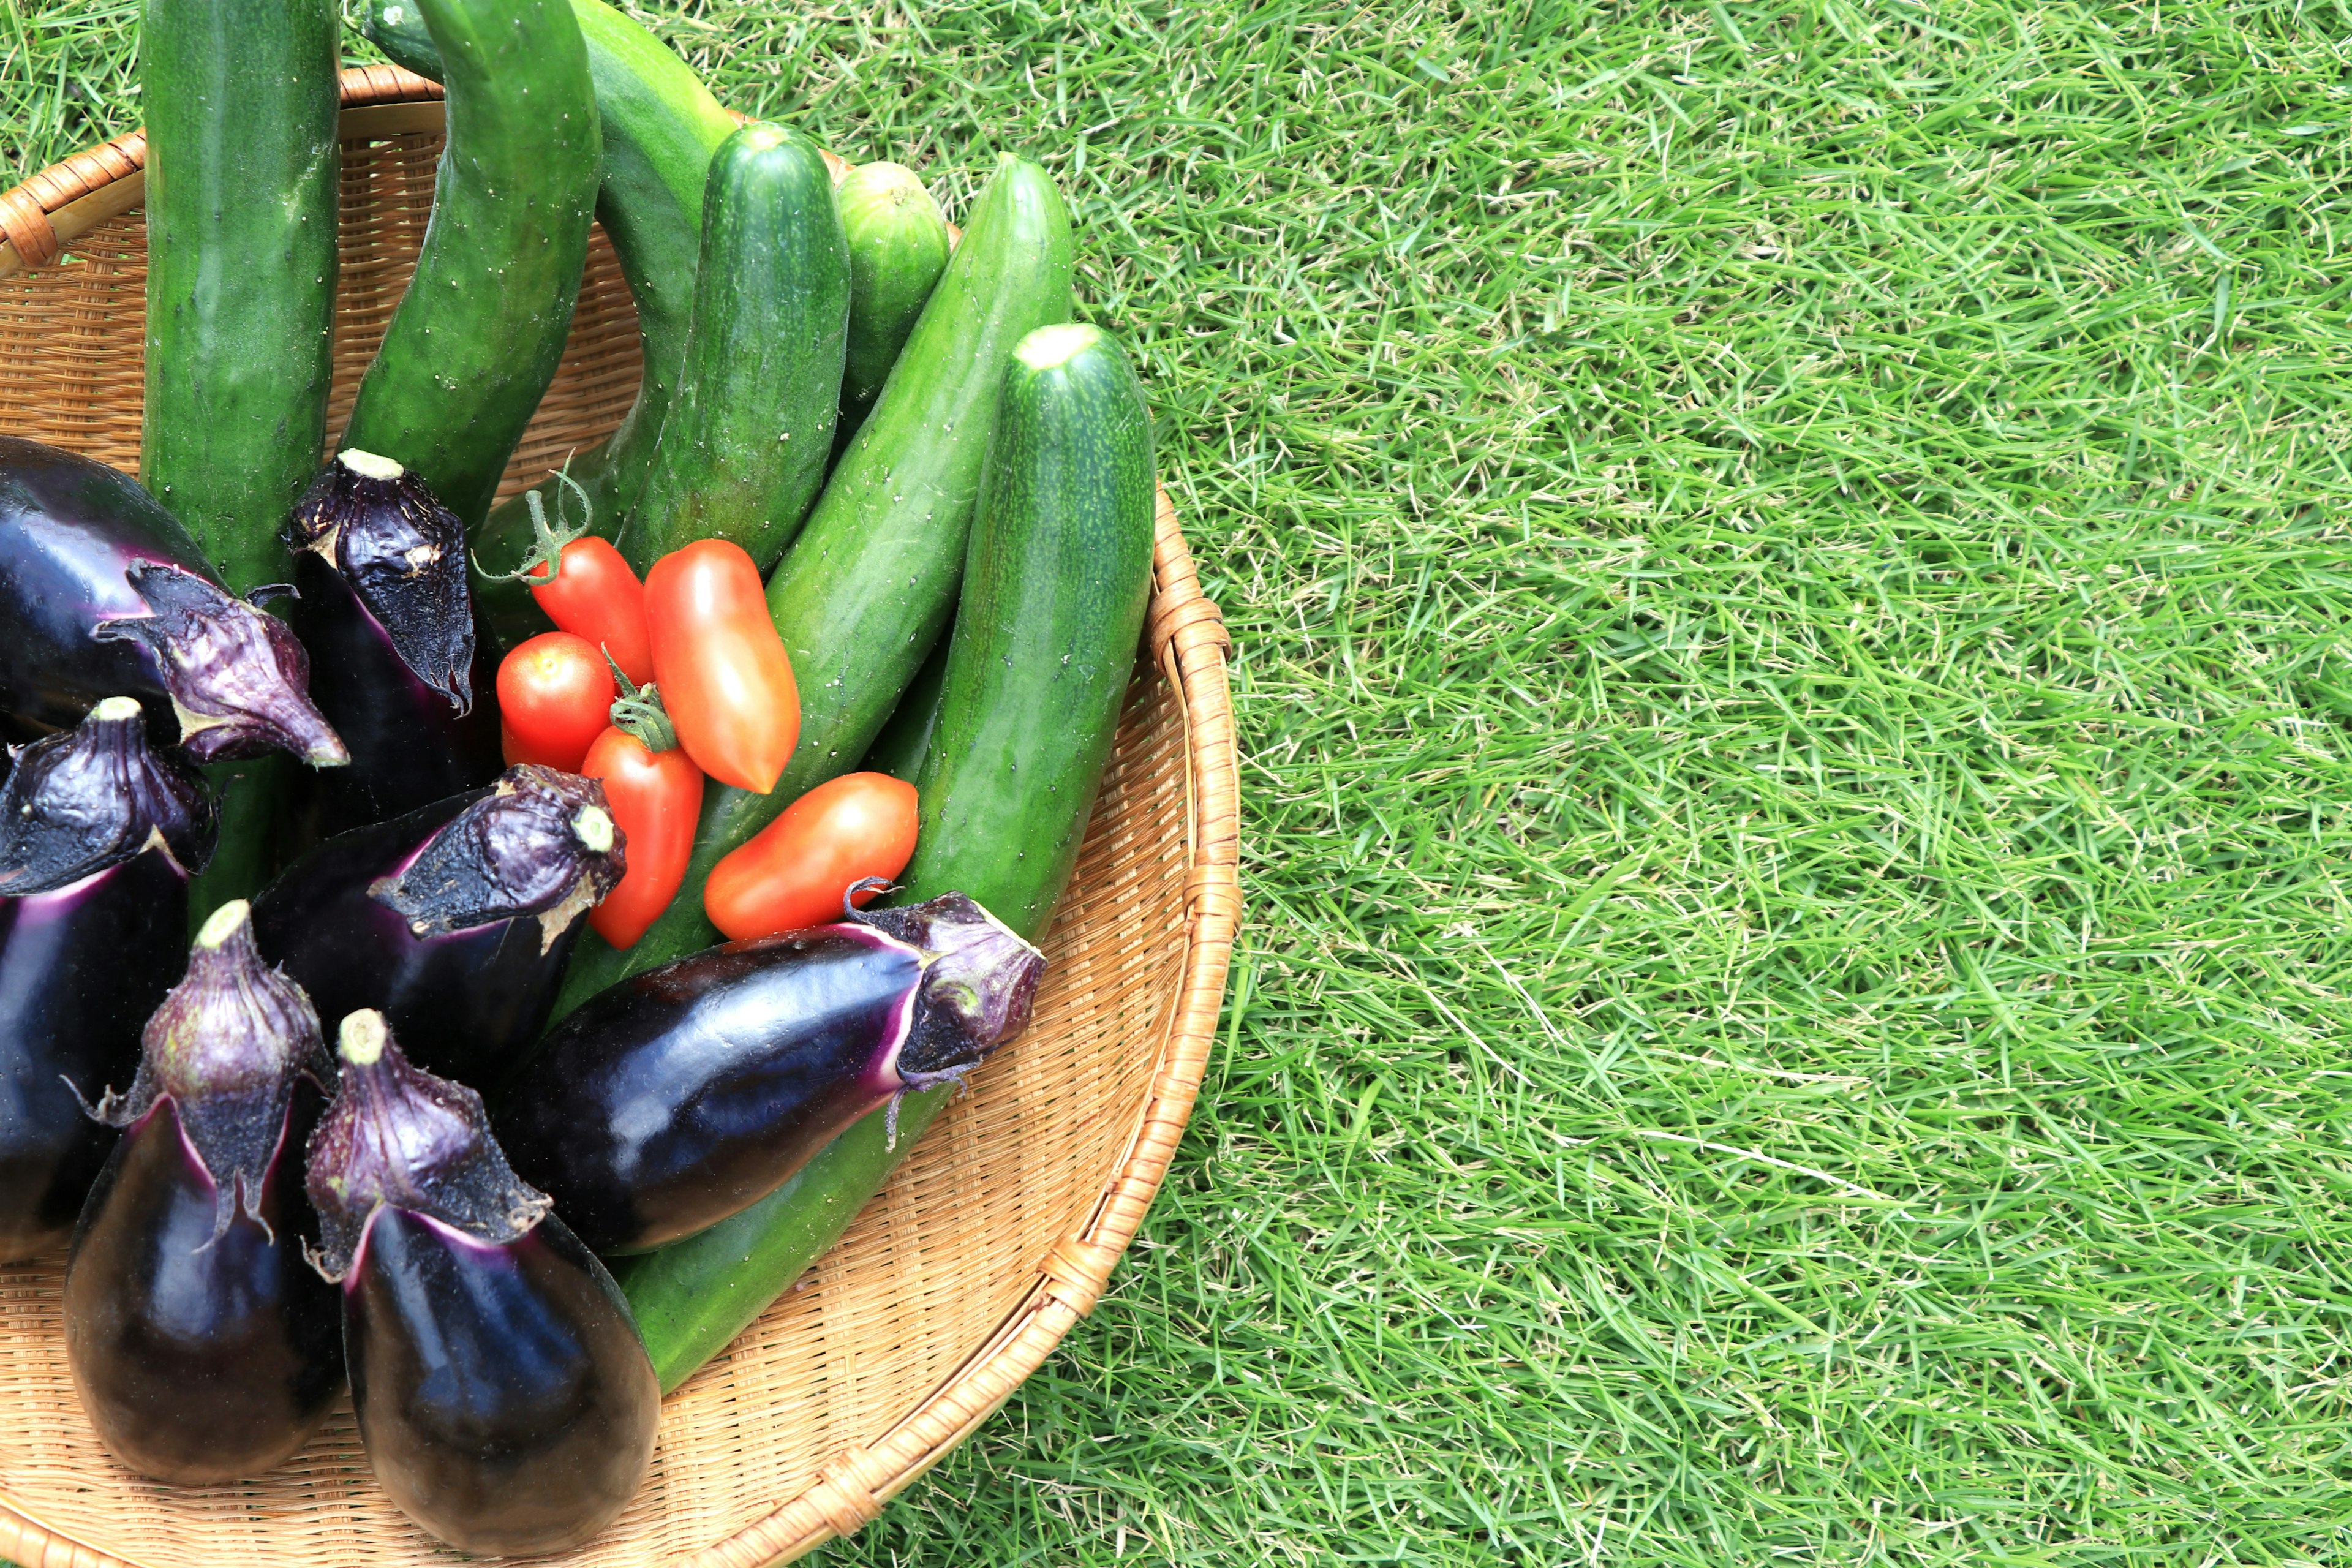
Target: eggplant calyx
226 1048
238 678
544 562
397 1136
403 555
979 985
87 799
539 843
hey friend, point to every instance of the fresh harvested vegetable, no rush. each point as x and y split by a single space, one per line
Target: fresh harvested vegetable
204 1346
679 1098
586 588
654 793
751 431
98 837
454 921
859 827
379 578
107 594
897 248
1055 586
722 670
503 1395
476 338
660 126
555 697
870 583
1044 639
240 101
899 750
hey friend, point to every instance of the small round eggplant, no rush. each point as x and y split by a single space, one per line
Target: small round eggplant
383 604
203 1345
456 920
99 835
103 591
690 1092
506 1401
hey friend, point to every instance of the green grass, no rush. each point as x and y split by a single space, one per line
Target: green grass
1788 568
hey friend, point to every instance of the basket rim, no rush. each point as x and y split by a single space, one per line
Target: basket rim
1186 638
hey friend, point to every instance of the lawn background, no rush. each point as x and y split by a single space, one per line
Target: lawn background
1788 567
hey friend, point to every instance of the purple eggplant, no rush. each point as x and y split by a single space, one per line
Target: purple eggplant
382 604
454 921
99 835
203 1345
686 1093
504 1396
101 592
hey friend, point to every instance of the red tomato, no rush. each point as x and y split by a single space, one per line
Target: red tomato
555 697
656 797
792 875
595 595
721 668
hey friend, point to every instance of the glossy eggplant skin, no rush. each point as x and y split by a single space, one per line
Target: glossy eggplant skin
76 537
504 1397
80 968
410 745
68 528
200 1358
671 1100
472 1000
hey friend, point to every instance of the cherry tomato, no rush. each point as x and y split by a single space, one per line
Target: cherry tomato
595 595
721 668
792 875
656 797
555 693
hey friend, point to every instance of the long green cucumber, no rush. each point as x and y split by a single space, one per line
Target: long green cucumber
1054 588
900 749
869 584
476 338
897 248
744 450
242 165
1057 581
660 126
242 168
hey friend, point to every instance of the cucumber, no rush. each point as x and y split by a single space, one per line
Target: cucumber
660 126
868 586
1059 576
899 750
897 248
1055 585
242 168
744 449
477 337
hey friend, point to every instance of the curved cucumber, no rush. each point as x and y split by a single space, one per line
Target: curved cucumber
897 248
660 127
744 449
477 336
242 165
870 583
1055 589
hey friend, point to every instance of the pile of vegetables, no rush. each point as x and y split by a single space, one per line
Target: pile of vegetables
659 848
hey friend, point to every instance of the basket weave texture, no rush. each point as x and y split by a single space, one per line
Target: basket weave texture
994 1237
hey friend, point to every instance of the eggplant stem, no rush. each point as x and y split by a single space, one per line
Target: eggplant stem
876 885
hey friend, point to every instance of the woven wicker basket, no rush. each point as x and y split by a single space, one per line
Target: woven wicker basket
996 1236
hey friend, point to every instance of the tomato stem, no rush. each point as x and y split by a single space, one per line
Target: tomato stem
638 709
547 540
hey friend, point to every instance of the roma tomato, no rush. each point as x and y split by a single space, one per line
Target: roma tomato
721 668
793 875
593 593
656 797
555 697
